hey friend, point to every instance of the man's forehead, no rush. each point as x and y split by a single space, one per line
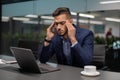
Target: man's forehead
60 21
61 17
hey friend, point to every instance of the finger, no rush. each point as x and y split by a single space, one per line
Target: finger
52 25
68 24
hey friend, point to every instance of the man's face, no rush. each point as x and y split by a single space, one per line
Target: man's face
60 26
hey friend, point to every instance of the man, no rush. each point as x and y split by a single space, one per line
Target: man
72 45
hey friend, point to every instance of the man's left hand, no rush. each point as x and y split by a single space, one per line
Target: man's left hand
71 31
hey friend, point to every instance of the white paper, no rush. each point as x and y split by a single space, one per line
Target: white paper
1 62
52 64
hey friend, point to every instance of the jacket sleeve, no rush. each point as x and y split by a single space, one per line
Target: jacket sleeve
83 51
45 53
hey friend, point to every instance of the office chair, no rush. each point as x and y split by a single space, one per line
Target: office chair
99 55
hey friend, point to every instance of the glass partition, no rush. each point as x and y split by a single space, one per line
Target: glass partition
21 28
33 27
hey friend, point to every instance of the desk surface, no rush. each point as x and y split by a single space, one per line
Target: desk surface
66 73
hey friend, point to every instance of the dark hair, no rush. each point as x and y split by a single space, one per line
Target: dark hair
61 10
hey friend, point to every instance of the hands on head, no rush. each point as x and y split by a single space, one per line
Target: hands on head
71 31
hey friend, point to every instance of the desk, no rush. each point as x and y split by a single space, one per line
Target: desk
66 73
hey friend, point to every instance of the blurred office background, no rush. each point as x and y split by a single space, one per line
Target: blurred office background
28 19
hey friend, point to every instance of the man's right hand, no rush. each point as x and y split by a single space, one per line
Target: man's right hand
49 34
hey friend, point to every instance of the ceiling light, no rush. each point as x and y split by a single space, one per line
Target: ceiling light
96 22
86 15
21 19
31 22
112 19
83 21
5 19
73 13
47 17
32 16
109 2
91 21
48 21
83 15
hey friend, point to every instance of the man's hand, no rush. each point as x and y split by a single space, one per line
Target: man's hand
49 34
71 31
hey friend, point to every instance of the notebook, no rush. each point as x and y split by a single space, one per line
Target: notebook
27 61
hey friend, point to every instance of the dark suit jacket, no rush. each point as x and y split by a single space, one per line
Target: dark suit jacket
81 53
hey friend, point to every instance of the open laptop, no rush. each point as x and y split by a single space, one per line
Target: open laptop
27 61
30 44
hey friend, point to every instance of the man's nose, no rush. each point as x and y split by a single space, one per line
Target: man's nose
59 26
